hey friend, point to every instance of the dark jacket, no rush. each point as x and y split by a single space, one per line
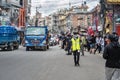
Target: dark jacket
69 43
93 40
112 55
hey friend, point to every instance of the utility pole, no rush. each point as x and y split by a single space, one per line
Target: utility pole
102 15
70 25
36 21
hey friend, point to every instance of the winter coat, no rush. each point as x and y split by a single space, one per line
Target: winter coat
112 55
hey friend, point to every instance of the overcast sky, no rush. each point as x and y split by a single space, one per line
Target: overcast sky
50 6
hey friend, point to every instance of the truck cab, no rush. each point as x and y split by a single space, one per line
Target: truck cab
36 38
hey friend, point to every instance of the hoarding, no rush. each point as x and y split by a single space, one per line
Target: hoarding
113 1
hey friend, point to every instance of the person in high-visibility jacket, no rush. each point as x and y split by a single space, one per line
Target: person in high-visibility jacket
76 49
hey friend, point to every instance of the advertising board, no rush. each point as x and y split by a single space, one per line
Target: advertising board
113 1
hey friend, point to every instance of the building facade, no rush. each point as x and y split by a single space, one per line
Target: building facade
5 12
110 9
16 12
55 22
48 22
79 18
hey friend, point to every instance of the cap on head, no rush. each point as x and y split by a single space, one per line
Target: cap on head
111 37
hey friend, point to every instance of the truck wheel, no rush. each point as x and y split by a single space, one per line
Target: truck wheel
27 48
3 49
45 48
16 47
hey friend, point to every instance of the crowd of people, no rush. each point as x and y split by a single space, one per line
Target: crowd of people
91 43
107 45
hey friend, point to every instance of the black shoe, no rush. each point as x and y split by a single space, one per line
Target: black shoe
82 55
78 64
75 64
68 54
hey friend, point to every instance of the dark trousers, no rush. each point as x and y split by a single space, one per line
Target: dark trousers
76 57
69 51
88 47
98 48
82 49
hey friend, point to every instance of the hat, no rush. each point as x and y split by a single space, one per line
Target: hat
111 37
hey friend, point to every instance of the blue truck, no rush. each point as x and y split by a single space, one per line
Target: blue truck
36 38
9 38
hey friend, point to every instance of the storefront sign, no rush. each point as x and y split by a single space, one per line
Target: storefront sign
113 1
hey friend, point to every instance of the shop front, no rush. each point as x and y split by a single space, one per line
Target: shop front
114 15
117 19
118 28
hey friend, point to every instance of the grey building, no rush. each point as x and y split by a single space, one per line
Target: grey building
4 12
55 22
10 9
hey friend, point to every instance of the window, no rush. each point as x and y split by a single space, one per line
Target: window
29 1
21 2
35 31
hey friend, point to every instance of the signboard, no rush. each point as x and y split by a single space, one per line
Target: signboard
113 1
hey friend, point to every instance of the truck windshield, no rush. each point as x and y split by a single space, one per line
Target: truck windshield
35 31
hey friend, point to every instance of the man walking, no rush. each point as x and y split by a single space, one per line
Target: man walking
83 44
76 48
112 55
98 44
68 44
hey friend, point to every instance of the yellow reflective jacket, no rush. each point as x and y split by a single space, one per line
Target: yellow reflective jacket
75 44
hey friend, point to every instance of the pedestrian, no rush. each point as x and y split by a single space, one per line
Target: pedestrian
83 43
76 48
102 44
88 43
63 41
92 43
112 55
68 44
98 44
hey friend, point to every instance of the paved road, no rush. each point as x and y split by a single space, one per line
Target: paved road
49 65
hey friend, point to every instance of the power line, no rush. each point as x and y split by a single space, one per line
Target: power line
53 7
65 4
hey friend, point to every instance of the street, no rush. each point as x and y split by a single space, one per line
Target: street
52 64
73 24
